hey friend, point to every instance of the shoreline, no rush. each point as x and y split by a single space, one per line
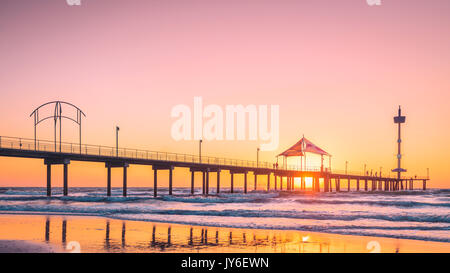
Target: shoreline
208 226
25 246
105 234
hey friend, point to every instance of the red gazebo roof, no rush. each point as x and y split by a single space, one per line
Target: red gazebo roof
303 146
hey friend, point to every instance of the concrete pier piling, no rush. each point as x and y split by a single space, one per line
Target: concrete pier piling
125 181
232 182
218 182
108 181
192 182
207 181
110 165
203 183
57 161
49 180
245 182
170 181
155 182
65 183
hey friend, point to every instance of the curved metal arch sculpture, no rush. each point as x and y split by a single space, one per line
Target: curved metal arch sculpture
57 115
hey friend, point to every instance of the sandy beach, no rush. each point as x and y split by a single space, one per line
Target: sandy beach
67 233
18 246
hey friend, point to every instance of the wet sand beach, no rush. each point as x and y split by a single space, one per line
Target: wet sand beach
69 233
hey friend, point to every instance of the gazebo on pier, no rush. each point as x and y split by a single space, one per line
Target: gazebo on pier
301 148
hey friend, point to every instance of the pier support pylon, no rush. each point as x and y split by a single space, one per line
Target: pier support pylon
49 180
207 181
232 182
218 182
125 181
56 161
203 183
170 180
66 184
192 183
155 182
108 181
245 182
157 167
110 165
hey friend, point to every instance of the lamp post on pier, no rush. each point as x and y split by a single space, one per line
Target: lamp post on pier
257 157
200 150
117 141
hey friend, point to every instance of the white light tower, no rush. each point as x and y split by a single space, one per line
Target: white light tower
399 120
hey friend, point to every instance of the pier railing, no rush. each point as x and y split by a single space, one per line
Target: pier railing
383 175
99 150
128 153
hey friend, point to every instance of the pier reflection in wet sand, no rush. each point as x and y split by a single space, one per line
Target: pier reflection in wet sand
96 234
123 236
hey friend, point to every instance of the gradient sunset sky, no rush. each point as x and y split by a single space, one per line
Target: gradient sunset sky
338 70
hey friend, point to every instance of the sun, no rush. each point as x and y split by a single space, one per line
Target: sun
308 182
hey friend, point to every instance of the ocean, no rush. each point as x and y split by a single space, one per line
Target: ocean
419 215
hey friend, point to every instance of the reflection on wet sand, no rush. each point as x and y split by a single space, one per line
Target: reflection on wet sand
95 234
162 238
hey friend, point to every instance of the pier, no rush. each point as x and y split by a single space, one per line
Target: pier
323 179
282 177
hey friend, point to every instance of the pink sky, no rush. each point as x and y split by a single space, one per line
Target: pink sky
338 70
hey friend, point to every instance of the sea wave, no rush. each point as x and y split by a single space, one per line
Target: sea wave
247 213
423 215
386 203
